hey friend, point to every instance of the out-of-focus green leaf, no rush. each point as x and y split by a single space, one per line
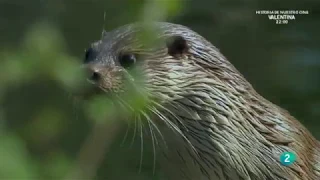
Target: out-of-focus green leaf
15 162
49 123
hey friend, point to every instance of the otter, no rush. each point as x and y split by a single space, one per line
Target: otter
214 125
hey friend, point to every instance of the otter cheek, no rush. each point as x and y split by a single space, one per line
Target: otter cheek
111 79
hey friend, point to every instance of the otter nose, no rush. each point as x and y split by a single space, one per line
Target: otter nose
94 76
93 72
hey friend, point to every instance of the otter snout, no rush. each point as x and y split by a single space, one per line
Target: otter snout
106 78
94 72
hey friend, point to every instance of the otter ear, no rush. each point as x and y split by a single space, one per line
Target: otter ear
177 45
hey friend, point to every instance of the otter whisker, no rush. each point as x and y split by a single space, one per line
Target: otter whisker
154 125
154 139
134 132
171 113
125 103
175 128
103 33
126 134
141 143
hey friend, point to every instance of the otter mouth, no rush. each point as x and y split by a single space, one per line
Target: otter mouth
87 91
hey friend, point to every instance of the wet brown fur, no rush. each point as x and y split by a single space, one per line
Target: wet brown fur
222 129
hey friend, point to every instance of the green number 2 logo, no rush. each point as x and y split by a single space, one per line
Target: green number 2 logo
287 158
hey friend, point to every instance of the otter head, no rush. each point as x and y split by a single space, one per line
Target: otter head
173 62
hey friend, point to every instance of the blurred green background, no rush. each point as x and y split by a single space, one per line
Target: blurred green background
43 129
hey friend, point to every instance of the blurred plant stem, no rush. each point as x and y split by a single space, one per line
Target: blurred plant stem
93 151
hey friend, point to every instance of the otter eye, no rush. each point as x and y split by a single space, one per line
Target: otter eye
127 60
90 55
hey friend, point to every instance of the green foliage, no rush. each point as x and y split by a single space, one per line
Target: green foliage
39 144
15 160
